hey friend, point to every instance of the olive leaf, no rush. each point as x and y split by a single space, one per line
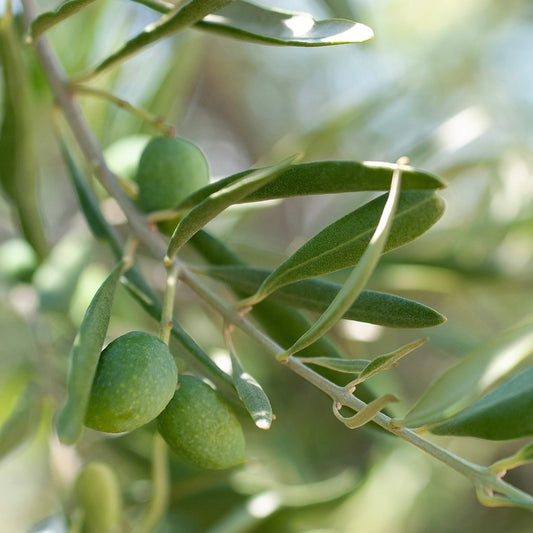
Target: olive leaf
346 366
257 24
89 204
18 164
503 414
22 421
472 376
213 205
49 19
343 243
521 457
373 307
84 358
386 361
325 177
173 22
252 394
358 277
366 414
253 23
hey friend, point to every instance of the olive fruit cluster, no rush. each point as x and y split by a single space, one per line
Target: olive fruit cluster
135 383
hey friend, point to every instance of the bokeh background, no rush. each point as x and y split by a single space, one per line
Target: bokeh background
446 83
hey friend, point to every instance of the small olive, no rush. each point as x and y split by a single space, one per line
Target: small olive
170 169
201 428
135 379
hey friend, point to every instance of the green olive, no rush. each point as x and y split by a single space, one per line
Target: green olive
170 169
98 493
201 428
135 379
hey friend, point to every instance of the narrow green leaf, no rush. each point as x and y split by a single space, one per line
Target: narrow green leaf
521 457
89 204
366 414
503 414
19 170
22 421
359 275
373 307
346 366
343 243
325 177
46 20
84 358
200 215
472 376
175 21
386 361
253 23
252 395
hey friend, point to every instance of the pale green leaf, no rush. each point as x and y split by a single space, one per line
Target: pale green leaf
84 358
367 413
253 23
252 395
49 19
521 457
212 206
173 22
346 366
472 376
386 361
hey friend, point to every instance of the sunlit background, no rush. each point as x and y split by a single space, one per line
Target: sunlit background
448 84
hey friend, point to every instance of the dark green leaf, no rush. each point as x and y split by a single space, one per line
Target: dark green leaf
472 376
343 243
187 15
372 307
326 177
503 414
213 205
253 23
46 20
84 358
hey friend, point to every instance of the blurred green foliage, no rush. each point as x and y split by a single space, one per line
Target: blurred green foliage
446 83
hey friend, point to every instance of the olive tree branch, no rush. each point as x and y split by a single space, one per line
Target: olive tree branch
490 488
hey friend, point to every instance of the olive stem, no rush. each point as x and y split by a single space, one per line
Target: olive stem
160 487
167 312
482 477
61 88
156 122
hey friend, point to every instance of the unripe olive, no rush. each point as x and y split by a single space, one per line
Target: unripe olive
170 169
135 379
201 428
18 260
98 493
